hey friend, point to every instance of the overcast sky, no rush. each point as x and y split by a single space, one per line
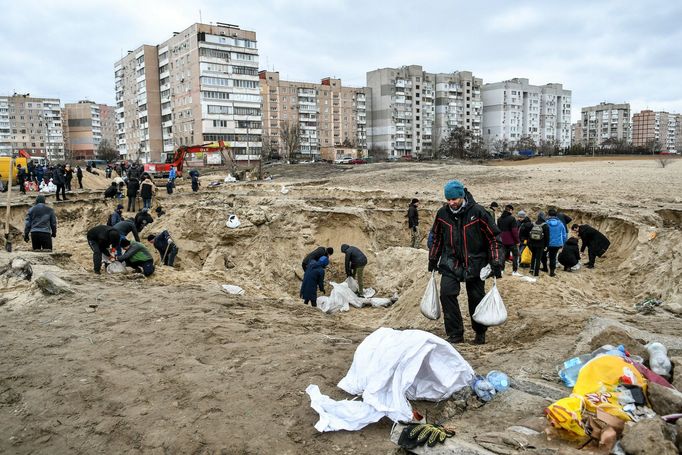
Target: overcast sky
601 50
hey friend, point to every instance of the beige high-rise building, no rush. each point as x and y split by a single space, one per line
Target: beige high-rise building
605 121
576 133
328 114
5 130
201 85
35 126
412 110
85 123
662 128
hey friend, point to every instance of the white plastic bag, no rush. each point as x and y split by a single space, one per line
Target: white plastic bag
430 306
352 284
380 302
486 272
284 190
116 267
233 221
232 289
229 179
491 311
337 300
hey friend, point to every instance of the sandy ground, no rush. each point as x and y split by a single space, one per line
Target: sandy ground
171 364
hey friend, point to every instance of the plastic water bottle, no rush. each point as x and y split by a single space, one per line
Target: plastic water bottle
484 390
499 380
569 370
658 359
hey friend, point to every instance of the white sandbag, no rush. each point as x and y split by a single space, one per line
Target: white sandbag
352 284
233 221
232 289
389 368
116 267
229 179
284 190
368 293
430 305
491 310
576 267
380 302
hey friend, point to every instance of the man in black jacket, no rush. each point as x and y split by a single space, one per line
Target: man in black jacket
570 254
79 176
142 219
166 247
59 179
125 227
465 239
316 254
595 242
132 187
101 238
41 223
111 191
413 222
355 265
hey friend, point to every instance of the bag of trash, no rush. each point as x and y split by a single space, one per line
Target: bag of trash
233 221
567 413
491 311
352 284
116 267
232 289
380 302
229 179
430 306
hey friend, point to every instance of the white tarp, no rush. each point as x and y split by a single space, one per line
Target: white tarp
389 368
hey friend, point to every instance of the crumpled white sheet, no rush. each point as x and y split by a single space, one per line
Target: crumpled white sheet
389 368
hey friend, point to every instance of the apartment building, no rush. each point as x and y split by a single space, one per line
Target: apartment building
86 125
200 85
660 127
576 133
515 109
327 114
35 125
412 111
5 130
605 121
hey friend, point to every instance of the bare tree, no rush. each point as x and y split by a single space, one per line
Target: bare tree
526 143
377 153
456 144
290 133
106 152
548 147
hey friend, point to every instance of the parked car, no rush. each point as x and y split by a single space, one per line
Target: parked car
357 161
406 157
344 160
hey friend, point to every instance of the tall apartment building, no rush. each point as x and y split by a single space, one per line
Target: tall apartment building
35 126
327 113
412 111
198 86
86 125
514 109
5 136
605 121
576 133
662 127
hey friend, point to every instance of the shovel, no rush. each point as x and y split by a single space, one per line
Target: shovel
8 242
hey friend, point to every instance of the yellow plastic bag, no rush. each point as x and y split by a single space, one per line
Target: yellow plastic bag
526 256
598 380
567 413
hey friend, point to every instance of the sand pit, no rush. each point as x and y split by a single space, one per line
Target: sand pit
173 364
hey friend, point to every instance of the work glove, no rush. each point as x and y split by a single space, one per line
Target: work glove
428 433
26 238
496 270
433 264
54 234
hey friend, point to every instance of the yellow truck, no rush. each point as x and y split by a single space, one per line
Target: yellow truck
4 168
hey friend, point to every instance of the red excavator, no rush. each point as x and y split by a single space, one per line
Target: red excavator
178 158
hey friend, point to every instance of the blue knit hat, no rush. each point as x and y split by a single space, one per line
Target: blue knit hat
454 189
324 261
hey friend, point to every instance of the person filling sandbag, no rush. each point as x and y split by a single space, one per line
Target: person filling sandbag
136 256
355 265
313 279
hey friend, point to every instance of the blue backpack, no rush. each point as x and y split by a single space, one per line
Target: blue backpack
557 232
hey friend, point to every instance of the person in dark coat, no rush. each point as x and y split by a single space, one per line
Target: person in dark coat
111 192
116 216
538 243
21 178
79 176
142 219
41 224
465 239
313 279
59 180
509 236
570 254
68 176
355 264
101 238
166 247
525 225
316 254
595 242
194 175
564 219
132 188
125 227
413 222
